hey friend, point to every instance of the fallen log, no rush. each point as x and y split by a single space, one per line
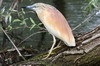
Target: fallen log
87 53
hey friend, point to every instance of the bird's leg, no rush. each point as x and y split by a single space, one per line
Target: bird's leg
54 42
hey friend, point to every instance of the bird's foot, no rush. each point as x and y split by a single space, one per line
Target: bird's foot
47 56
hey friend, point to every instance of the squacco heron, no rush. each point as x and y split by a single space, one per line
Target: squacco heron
55 23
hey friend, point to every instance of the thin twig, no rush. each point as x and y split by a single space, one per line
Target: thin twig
87 19
30 36
14 5
1 1
12 43
90 39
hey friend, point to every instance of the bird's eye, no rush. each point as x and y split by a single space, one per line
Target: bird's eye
35 6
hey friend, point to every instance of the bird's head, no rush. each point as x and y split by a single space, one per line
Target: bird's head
38 6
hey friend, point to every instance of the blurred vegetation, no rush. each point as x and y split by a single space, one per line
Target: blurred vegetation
13 19
91 5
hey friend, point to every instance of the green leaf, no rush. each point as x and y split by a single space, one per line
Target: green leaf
2 10
10 18
6 18
32 27
33 23
23 11
32 20
9 27
16 20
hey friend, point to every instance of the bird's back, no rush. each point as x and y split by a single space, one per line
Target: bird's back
56 24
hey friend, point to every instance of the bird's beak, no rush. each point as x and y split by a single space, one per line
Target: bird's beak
30 7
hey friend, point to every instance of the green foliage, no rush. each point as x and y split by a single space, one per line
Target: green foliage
2 10
12 17
91 5
33 23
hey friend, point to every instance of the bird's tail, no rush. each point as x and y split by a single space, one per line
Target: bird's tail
70 41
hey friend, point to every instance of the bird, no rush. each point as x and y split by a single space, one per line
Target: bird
55 23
